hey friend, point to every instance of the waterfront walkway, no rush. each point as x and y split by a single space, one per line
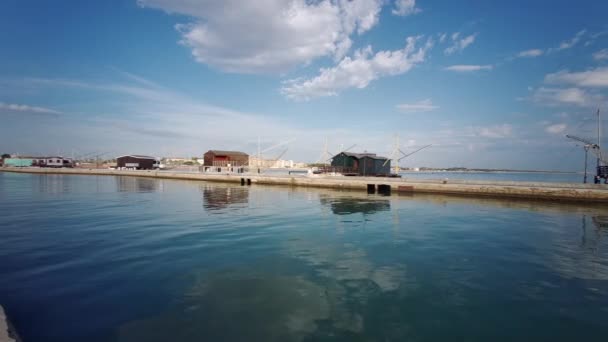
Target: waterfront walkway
392 186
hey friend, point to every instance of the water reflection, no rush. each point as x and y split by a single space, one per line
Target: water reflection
53 184
592 231
138 184
222 197
352 205
238 306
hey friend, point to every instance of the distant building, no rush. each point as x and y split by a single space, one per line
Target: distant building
361 164
55 162
39 161
137 162
177 160
20 162
270 163
220 158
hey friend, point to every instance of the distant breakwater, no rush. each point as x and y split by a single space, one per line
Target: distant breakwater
388 186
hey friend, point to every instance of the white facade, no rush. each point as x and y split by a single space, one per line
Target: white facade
270 163
56 162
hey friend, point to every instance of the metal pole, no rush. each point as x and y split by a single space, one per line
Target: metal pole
586 151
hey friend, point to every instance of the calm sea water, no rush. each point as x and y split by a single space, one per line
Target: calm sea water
85 258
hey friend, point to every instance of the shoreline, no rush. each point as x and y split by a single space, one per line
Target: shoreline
394 186
6 331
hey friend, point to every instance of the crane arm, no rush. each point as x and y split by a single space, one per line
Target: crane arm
405 155
585 141
333 155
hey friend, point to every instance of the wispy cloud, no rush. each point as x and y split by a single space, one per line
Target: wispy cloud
566 96
601 55
417 107
556 128
26 109
594 78
358 71
468 67
568 44
495 132
405 7
530 53
459 44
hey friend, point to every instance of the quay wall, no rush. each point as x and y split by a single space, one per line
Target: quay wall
507 189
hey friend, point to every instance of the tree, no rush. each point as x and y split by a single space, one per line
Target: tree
6 155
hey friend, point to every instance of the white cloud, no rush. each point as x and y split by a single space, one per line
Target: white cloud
417 107
272 35
405 7
556 129
565 96
21 108
495 132
597 77
568 44
468 67
359 71
530 53
601 55
459 44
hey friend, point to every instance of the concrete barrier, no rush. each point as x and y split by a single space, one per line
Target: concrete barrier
504 189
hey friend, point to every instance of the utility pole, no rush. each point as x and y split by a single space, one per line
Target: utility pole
599 138
586 152
259 154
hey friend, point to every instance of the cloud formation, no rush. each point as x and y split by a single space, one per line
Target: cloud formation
417 107
593 78
26 109
358 71
459 44
568 44
530 53
405 7
495 132
468 67
556 129
601 55
566 96
269 36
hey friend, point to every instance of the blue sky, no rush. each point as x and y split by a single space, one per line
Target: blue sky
488 83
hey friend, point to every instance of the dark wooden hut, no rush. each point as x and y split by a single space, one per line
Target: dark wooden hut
137 162
361 164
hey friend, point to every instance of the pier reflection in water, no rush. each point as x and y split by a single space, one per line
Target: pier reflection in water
352 205
192 261
221 197
138 184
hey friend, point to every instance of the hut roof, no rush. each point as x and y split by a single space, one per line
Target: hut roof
362 155
137 156
228 153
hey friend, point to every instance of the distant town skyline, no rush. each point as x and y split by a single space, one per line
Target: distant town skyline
489 84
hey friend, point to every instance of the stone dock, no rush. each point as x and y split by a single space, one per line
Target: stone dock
393 186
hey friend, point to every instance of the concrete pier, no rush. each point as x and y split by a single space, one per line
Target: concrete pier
5 335
388 186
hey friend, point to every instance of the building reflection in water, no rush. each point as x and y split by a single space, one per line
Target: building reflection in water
218 197
592 231
137 184
352 205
